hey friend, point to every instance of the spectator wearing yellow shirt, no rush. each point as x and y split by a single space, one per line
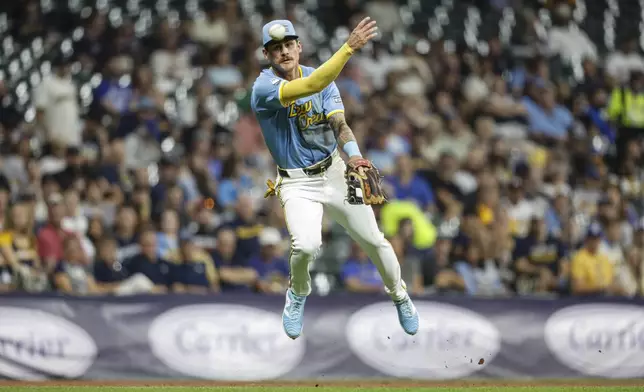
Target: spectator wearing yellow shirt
592 271
18 247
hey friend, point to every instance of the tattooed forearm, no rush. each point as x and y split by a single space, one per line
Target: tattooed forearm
343 133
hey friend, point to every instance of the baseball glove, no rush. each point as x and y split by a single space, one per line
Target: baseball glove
369 182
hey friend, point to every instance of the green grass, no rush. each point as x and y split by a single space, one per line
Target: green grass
488 388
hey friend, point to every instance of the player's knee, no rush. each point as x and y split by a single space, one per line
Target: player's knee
308 246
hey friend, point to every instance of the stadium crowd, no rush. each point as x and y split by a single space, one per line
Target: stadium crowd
513 166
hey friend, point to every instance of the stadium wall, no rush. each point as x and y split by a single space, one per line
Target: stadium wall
240 338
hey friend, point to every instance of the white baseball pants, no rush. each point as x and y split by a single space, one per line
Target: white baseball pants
305 198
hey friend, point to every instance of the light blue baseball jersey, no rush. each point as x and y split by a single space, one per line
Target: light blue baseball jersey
298 135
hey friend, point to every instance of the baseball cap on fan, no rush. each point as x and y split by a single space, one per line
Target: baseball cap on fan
290 30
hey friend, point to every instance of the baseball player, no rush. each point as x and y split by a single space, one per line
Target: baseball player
301 115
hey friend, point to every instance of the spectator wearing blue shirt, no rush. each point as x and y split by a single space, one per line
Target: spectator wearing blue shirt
407 185
148 263
168 236
194 270
168 177
109 271
222 74
540 261
557 213
144 119
360 275
481 277
548 122
348 85
270 264
233 183
112 96
380 155
234 274
597 116
247 229
125 234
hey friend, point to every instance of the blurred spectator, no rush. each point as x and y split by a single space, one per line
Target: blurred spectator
624 109
113 96
480 277
557 212
611 245
247 228
438 272
168 177
540 262
125 232
168 235
149 264
520 210
144 88
625 60
52 235
409 257
566 38
234 273
234 182
213 29
70 275
56 100
108 270
359 274
19 248
8 281
385 13
170 63
592 273
631 274
407 185
384 159
223 75
90 47
113 276
272 268
449 197
396 212
194 270
548 122
29 22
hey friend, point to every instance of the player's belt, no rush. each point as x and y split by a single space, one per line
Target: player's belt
314 170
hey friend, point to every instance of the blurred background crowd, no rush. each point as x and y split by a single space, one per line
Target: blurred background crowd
508 132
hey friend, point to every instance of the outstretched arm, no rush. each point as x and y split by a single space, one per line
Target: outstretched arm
344 135
326 73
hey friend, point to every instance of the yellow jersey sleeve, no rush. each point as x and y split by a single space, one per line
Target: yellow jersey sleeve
317 80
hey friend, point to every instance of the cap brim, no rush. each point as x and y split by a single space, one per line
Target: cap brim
286 38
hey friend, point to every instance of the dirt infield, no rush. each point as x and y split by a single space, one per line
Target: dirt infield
341 383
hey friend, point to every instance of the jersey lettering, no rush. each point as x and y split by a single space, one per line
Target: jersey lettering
305 118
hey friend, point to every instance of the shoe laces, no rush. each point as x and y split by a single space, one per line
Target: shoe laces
406 308
296 307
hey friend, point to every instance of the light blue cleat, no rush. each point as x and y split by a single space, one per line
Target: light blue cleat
407 315
293 315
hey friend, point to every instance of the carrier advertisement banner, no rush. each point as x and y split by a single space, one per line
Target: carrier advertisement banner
240 338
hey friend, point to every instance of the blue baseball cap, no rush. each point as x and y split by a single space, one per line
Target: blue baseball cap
290 30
